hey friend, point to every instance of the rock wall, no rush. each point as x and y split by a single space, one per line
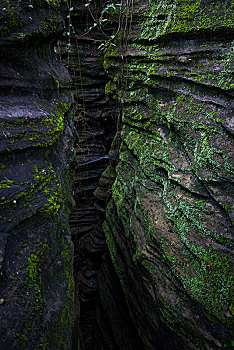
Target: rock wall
95 123
36 156
169 223
165 280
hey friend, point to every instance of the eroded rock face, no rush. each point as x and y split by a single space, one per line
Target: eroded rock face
95 125
36 145
165 282
169 225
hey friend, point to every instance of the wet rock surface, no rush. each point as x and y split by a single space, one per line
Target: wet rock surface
36 145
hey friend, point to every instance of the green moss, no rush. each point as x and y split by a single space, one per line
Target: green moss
231 308
185 16
9 18
46 184
67 312
33 287
40 132
175 157
53 2
6 184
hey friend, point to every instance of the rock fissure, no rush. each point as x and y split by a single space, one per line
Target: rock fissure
116 197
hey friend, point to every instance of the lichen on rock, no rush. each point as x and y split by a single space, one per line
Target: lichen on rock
37 156
169 223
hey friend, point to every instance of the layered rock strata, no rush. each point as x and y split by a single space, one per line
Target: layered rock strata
36 155
169 223
95 126
165 282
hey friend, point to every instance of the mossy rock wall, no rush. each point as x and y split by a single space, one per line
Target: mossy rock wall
36 156
169 224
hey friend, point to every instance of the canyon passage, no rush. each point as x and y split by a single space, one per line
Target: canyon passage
116 176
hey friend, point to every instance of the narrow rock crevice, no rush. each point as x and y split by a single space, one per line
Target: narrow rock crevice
167 223
116 194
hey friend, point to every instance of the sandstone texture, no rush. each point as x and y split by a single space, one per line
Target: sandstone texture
146 150
169 223
36 160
